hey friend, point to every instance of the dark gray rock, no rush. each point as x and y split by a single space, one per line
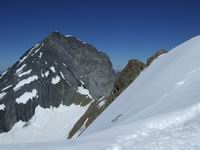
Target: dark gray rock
68 62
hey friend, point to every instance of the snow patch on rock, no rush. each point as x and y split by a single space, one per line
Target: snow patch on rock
27 96
1 76
25 73
24 82
2 95
46 74
21 68
62 75
84 91
55 80
6 88
53 69
40 56
2 107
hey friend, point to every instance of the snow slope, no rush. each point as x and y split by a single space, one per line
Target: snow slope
171 83
159 111
46 125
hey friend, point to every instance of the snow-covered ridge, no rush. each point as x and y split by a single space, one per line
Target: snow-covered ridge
25 57
169 84
1 76
70 36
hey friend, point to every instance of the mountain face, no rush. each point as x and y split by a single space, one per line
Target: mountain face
59 71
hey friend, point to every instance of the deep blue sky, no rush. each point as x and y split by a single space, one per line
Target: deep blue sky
124 29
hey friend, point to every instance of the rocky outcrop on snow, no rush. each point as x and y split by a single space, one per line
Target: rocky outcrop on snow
125 77
58 70
154 56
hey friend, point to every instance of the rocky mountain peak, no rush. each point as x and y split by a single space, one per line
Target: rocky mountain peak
60 70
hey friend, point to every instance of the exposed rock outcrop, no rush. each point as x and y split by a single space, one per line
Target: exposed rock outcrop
154 56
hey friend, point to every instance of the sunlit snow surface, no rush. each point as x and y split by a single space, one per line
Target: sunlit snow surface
159 111
47 124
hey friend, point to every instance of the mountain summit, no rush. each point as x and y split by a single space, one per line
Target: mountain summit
61 75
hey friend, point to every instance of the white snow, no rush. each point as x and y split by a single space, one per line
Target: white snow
68 35
46 125
159 111
81 41
25 73
46 74
24 82
37 50
62 75
2 107
1 76
55 80
53 69
40 56
84 91
64 65
82 82
6 88
42 73
27 96
21 68
2 95
102 103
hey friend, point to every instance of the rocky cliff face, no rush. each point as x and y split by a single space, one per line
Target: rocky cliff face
59 70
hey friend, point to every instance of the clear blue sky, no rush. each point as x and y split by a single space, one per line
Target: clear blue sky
124 29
